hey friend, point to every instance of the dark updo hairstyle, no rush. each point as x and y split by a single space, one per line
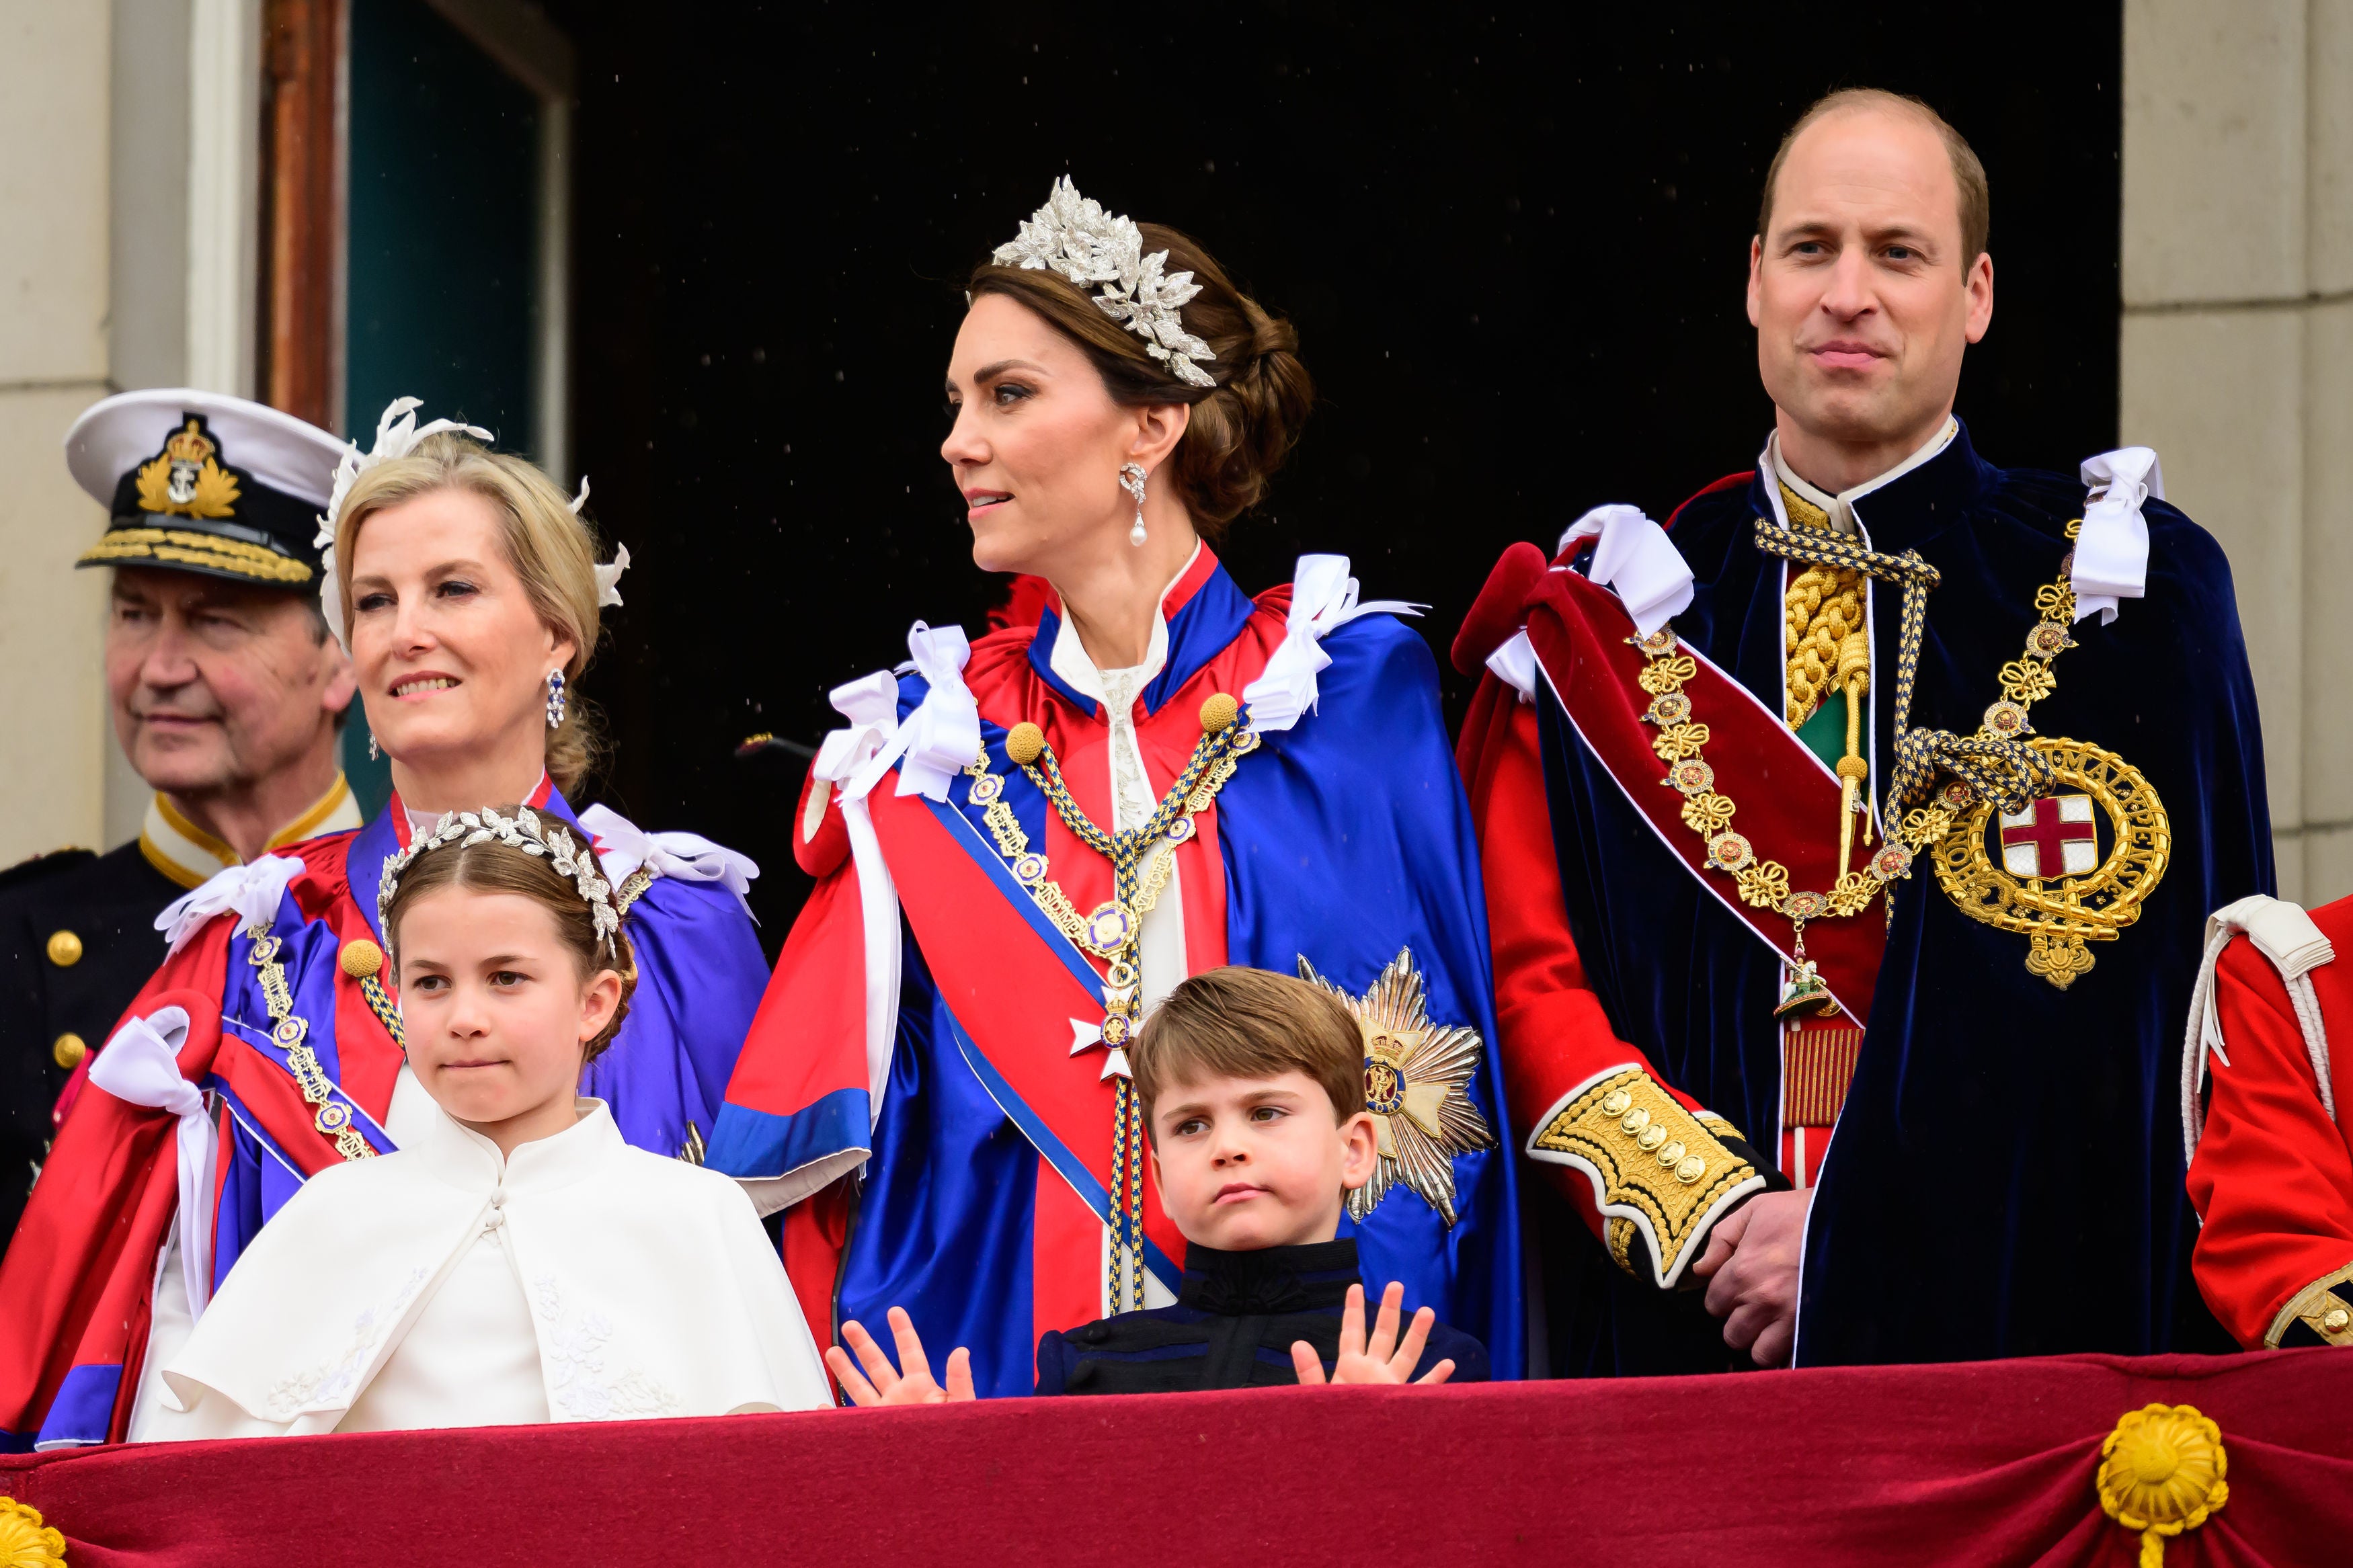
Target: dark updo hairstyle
1243 427
492 867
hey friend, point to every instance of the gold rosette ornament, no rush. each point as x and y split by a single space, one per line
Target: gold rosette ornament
24 1540
2161 1473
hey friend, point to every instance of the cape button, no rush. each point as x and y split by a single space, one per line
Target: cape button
498 1197
68 1051
65 949
361 958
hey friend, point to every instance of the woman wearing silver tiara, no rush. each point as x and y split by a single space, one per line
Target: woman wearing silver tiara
468 589
1161 777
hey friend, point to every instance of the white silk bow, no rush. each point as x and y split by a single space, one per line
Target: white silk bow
847 755
1636 560
253 890
2112 547
623 848
942 736
1514 665
1323 600
142 1065
871 703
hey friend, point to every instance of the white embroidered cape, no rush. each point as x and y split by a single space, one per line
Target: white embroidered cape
424 1289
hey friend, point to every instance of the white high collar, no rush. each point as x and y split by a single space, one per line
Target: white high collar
1069 662
454 1154
1840 507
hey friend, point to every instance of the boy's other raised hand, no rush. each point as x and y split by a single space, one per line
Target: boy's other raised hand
1385 1359
911 1382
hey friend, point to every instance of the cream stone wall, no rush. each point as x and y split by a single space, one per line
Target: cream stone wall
2236 358
55 64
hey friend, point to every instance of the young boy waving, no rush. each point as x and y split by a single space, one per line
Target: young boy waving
1253 1095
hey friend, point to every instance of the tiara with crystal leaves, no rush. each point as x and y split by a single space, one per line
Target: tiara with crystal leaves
522 831
1074 237
397 435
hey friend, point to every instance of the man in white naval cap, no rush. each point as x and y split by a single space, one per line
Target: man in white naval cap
227 692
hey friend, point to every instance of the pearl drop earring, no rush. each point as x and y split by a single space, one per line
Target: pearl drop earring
1131 480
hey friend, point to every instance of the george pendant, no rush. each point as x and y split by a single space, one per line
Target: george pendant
1804 992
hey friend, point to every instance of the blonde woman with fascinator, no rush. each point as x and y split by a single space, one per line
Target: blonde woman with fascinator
1023 843
469 591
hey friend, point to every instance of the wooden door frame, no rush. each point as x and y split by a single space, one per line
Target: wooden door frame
305 203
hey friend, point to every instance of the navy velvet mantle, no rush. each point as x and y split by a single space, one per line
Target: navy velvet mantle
2006 1177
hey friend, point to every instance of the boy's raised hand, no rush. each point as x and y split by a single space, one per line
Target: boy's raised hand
1386 1359
913 1384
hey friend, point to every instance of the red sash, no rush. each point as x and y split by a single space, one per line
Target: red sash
1788 802
1015 985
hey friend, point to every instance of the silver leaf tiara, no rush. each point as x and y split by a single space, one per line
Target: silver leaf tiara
522 831
1073 236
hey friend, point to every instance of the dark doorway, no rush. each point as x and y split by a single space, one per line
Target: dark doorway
1513 241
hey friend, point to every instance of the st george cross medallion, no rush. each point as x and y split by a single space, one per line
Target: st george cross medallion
2071 869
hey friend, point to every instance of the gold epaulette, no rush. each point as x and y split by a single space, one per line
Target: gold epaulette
1657 1169
2324 1307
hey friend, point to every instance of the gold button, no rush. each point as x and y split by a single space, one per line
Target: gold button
2335 1320
361 958
68 1051
65 949
1615 1102
1690 1170
1652 1136
1636 1119
1672 1156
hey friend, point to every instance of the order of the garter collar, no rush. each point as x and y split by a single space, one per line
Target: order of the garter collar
1073 236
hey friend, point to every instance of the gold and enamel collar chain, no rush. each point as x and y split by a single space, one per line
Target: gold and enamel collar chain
2037 887
2002 729
1994 764
331 1116
1113 930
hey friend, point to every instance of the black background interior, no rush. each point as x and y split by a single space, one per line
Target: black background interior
1514 242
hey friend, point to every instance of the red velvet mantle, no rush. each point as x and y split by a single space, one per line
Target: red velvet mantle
1980 1464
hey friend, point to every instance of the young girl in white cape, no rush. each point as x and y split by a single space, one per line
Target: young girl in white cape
520 1262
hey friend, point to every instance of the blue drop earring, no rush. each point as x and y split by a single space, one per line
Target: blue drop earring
555 700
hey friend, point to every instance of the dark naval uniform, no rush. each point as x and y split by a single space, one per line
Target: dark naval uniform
77 939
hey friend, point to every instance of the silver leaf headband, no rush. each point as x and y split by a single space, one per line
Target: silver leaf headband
522 831
1074 237
397 435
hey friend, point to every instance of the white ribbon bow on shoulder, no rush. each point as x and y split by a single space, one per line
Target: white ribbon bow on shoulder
142 1065
871 703
942 736
253 891
1323 600
623 848
2112 547
846 756
1514 665
1636 560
